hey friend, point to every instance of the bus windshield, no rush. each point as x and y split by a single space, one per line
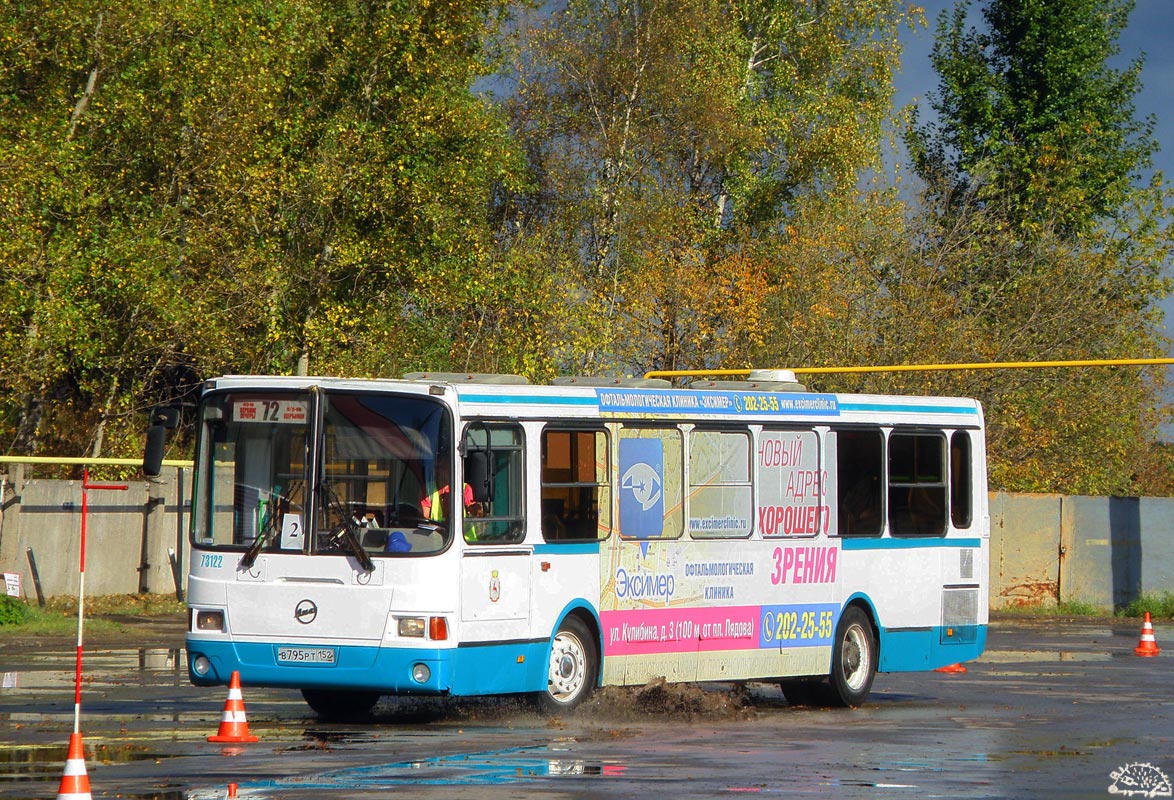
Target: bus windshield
351 467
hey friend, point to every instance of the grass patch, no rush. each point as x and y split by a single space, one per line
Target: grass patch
59 616
1079 608
12 611
1159 604
131 605
1067 608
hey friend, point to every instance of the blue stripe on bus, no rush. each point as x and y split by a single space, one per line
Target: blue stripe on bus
540 400
576 549
593 402
847 543
908 409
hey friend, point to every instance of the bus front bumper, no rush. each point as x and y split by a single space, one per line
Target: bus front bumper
388 670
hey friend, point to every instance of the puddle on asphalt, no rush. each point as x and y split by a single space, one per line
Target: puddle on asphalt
176 794
96 666
330 739
1039 656
21 764
470 769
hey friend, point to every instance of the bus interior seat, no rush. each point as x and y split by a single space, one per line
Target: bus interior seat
553 518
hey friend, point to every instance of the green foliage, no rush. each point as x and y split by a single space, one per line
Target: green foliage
12 611
1048 246
1158 604
869 280
1078 608
121 605
105 614
364 189
1030 111
664 139
194 189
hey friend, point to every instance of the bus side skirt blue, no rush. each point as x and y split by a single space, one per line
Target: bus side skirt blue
926 648
921 649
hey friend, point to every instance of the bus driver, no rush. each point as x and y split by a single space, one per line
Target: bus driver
433 506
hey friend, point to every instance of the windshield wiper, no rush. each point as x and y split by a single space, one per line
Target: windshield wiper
347 533
268 528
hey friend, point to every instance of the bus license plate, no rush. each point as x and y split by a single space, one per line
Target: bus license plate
305 655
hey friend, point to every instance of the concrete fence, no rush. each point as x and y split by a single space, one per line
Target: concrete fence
135 541
1106 551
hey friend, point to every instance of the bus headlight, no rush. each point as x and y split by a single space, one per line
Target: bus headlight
412 626
201 665
210 621
421 673
434 628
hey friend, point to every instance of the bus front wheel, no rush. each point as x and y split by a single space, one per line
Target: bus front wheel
854 658
573 669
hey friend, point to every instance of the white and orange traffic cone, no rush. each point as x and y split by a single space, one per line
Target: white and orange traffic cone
1148 646
75 783
233 725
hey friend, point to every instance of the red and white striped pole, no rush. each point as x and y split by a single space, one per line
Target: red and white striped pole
81 590
75 784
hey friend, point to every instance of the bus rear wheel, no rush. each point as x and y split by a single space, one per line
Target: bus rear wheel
339 704
854 659
573 668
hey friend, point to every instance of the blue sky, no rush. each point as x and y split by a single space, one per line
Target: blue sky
1150 33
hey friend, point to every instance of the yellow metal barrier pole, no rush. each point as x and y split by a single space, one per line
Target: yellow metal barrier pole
1100 362
109 462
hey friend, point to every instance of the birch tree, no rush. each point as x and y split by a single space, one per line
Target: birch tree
664 136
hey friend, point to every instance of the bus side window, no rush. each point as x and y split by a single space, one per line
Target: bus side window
917 484
859 471
576 495
498 521
960 479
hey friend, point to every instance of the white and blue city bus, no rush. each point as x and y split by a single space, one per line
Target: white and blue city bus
603 532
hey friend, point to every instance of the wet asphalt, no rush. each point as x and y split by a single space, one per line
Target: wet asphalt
1054 708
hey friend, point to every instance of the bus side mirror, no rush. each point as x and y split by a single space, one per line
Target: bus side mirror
162 421
478 477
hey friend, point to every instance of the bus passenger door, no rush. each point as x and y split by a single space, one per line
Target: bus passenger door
495 566
495 620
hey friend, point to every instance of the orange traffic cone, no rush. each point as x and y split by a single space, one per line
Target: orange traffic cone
75 783
233 725
1148 646
231 790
